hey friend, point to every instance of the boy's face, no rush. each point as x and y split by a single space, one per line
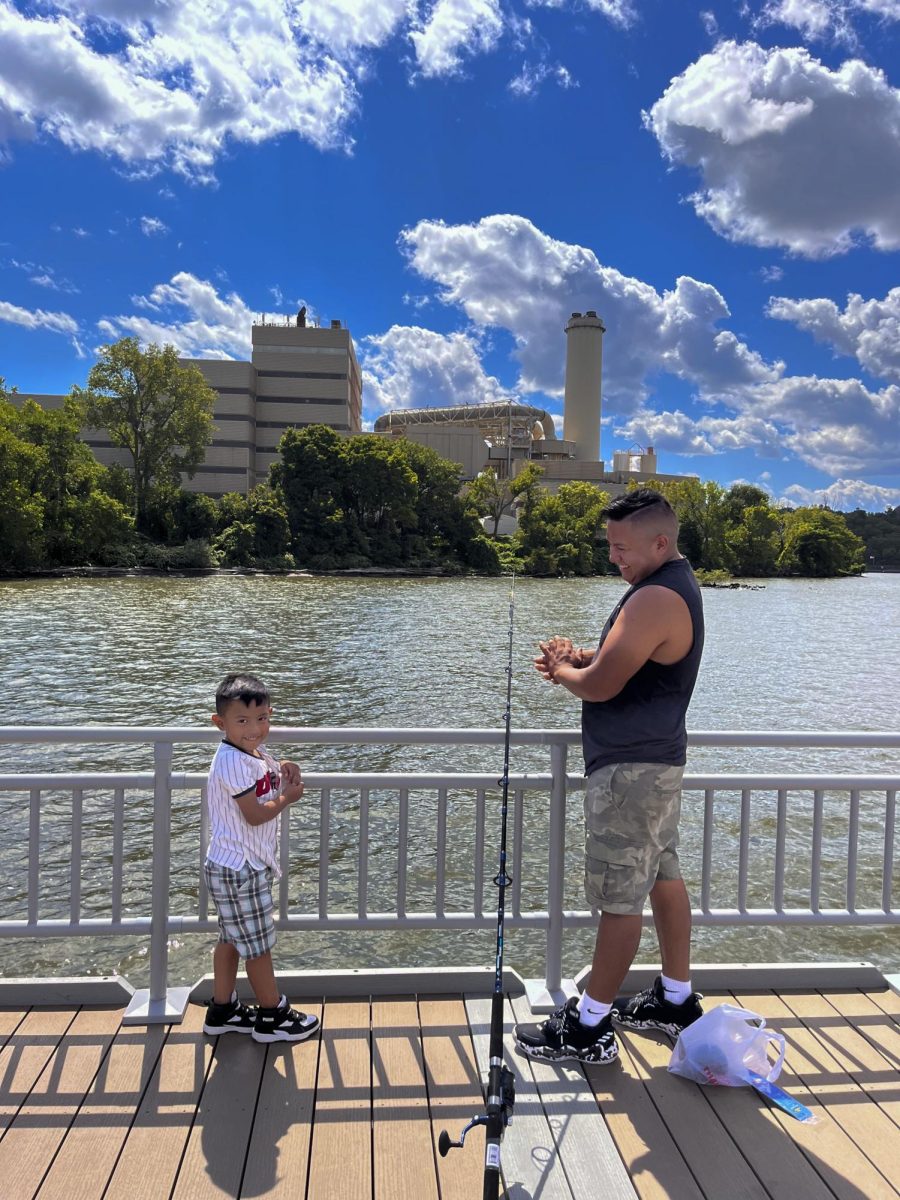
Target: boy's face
244 725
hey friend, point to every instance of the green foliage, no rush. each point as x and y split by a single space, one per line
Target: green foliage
157 410
817 542
370 501
489 496
54 506
881 534
257 530
558 535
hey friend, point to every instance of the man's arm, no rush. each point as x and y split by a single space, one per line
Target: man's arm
652 618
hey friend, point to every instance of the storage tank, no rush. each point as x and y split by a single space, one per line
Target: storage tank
582 405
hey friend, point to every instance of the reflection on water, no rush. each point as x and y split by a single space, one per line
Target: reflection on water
803 655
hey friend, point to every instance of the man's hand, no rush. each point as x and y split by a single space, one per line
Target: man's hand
554 652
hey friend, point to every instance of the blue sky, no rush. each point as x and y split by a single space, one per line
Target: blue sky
452 178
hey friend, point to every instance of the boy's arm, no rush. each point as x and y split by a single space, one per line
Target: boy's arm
255 813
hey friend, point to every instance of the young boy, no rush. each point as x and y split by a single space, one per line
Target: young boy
247 790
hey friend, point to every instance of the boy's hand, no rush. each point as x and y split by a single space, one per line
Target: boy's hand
290 772
291 792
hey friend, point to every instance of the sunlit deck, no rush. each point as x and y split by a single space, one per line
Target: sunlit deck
92 1109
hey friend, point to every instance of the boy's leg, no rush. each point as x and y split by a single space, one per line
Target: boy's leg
261 974
225 967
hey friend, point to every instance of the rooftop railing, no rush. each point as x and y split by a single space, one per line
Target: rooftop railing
758 849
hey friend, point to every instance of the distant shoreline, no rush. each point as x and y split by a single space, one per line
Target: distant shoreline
350 572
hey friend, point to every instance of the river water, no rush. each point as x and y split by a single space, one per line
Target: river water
789 655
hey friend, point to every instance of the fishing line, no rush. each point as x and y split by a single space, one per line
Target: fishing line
501 1094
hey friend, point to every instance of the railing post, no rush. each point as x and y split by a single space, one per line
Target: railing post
548 993
159 1004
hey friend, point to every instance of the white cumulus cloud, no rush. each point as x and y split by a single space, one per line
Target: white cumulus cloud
820 19
38 318
153 225
505 272
189 314
867 329
844 495
412 367
790 152
453 29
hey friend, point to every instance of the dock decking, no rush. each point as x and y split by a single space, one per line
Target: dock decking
92 1110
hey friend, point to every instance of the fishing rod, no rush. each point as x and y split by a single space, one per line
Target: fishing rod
501 1090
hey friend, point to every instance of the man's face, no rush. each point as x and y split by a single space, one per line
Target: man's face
245 725
636 552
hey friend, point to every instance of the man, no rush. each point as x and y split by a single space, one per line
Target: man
635 691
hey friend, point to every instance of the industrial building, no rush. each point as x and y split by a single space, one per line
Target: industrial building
506 435
298 375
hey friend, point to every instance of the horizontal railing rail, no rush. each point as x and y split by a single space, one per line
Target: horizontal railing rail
766 848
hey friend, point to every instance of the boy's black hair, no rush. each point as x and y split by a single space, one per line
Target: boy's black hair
641 500
246 688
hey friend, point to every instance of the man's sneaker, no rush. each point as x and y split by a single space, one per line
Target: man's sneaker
563 1036
232 1017
283 1024
650 1009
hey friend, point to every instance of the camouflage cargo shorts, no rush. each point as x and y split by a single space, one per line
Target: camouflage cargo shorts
631 813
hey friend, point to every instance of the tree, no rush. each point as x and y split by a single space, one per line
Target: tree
754 542
157 410
490 496
54 506
559 535
701 511
817 542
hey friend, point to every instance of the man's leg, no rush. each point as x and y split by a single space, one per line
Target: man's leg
618 938
672 918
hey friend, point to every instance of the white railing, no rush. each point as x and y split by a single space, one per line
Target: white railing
773 849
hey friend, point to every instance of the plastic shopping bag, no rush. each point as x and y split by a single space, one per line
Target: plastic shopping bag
726 1046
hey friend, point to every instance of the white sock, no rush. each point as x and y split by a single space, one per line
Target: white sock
590 1011
676 990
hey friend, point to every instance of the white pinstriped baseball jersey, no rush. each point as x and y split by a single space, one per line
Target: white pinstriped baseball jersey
232 839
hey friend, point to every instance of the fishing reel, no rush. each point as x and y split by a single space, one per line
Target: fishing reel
503 1107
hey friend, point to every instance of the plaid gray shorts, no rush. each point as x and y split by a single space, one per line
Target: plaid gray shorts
243 900
631 813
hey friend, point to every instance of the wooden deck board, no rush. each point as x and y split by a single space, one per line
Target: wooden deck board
839 1105
402 1149
654 1162
34 1136
454 1093
25 1055
589 1155
88 1155
866 1046
216 1150
90 1110
165 1114
341 1155
278 1156
529 1157
710 1152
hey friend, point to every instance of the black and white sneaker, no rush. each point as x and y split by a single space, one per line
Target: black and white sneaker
283 1024
562 1036
650 1009
232 1017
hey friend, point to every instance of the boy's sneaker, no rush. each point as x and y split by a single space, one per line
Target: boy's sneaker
563 1036
650 1009
283 1024
232 1017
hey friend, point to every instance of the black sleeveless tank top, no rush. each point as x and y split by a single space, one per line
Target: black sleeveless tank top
645 722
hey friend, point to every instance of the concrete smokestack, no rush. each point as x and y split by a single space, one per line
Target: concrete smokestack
584 360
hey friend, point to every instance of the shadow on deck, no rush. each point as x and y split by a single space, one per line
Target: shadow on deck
93 1110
